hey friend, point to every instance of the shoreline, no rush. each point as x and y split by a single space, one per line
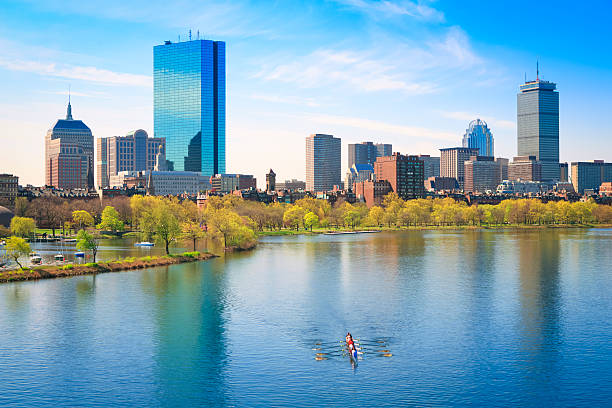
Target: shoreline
321 231
129 264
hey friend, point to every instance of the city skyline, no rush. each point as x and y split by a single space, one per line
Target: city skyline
283 86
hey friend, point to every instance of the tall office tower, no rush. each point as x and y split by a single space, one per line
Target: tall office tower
189 104
323 162
590 175
69 154
383 149
482 174
478 135
367 152
404 173
563 172
431 165
503 167
452 162
538 125
135 151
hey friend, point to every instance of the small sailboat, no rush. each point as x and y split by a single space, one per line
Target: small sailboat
144 244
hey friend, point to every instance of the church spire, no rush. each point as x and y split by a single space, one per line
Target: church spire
69 113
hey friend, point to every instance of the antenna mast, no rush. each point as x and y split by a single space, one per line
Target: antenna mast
537 70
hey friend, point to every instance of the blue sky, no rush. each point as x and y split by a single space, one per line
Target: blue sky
403 72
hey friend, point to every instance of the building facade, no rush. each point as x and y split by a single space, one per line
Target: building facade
404 174
482 174
452 162
69 154
9 186
323 157
503 167
590 175
133 152
563 172
372 192
367 152
226 183
441 184
431 165
291 185
479 136
538 125
271 181
525 168
189 104
357 174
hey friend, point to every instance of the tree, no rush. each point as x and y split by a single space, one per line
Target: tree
375 215
22 226
82 219
311 220
231 227
192 231
17 247
294 217
21 206
87 242
165 223
110 220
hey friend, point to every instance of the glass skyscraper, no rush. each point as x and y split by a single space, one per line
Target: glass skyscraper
189 104
479 136
538 125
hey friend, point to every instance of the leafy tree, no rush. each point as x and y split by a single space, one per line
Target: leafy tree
231 227
110 220
192 231
22 226
165 223
17 247
87 242
21 206
311 220
82 219
294 217
375 216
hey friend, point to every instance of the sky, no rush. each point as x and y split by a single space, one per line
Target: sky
410 73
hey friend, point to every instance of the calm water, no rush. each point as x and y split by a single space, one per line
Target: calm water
471 318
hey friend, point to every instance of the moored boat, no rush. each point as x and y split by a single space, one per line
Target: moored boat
144 244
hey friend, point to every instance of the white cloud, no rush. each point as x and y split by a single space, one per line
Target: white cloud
85 73
386 8
291 100
493 122
402 66
382 127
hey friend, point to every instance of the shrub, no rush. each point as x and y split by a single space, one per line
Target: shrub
194 254
69 266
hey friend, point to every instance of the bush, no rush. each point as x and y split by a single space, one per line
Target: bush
67 267
194 254
146 259
91 265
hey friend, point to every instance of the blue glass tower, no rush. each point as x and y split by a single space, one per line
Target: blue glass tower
479 136
189 104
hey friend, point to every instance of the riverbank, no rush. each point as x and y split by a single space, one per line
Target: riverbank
317 231
62 271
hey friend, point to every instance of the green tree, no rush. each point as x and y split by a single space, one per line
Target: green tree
17 247
231 227
82 219
311 220
375 216
22 226
165 223
87 242
192 232
21 206
294 217
110 220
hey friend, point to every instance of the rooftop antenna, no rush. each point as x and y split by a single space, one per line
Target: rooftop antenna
179 38
189 35
537 70
198 34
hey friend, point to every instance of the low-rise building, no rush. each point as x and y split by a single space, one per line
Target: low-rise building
404 174
226 183
372 192
522 187
271 181
526 168
291 185
358 173
441 184
606 189
9 187
590 175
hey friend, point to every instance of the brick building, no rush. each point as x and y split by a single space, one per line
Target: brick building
372 191
404 173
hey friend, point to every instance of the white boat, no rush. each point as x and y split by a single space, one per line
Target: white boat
144 244
36 260
59 257
70 240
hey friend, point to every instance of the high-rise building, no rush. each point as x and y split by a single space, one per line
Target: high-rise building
563 172
538 125
590 175
271 181
503 167
367 152
452 160
482 174
431 165
525 168
189 104
478 135
133 152
357 174
404 173
323 170
69 154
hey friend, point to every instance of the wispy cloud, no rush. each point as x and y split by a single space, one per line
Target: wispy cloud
492 121
382 127
84 73
403 66
385 9
291 100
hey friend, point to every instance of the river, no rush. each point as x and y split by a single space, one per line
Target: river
480 318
